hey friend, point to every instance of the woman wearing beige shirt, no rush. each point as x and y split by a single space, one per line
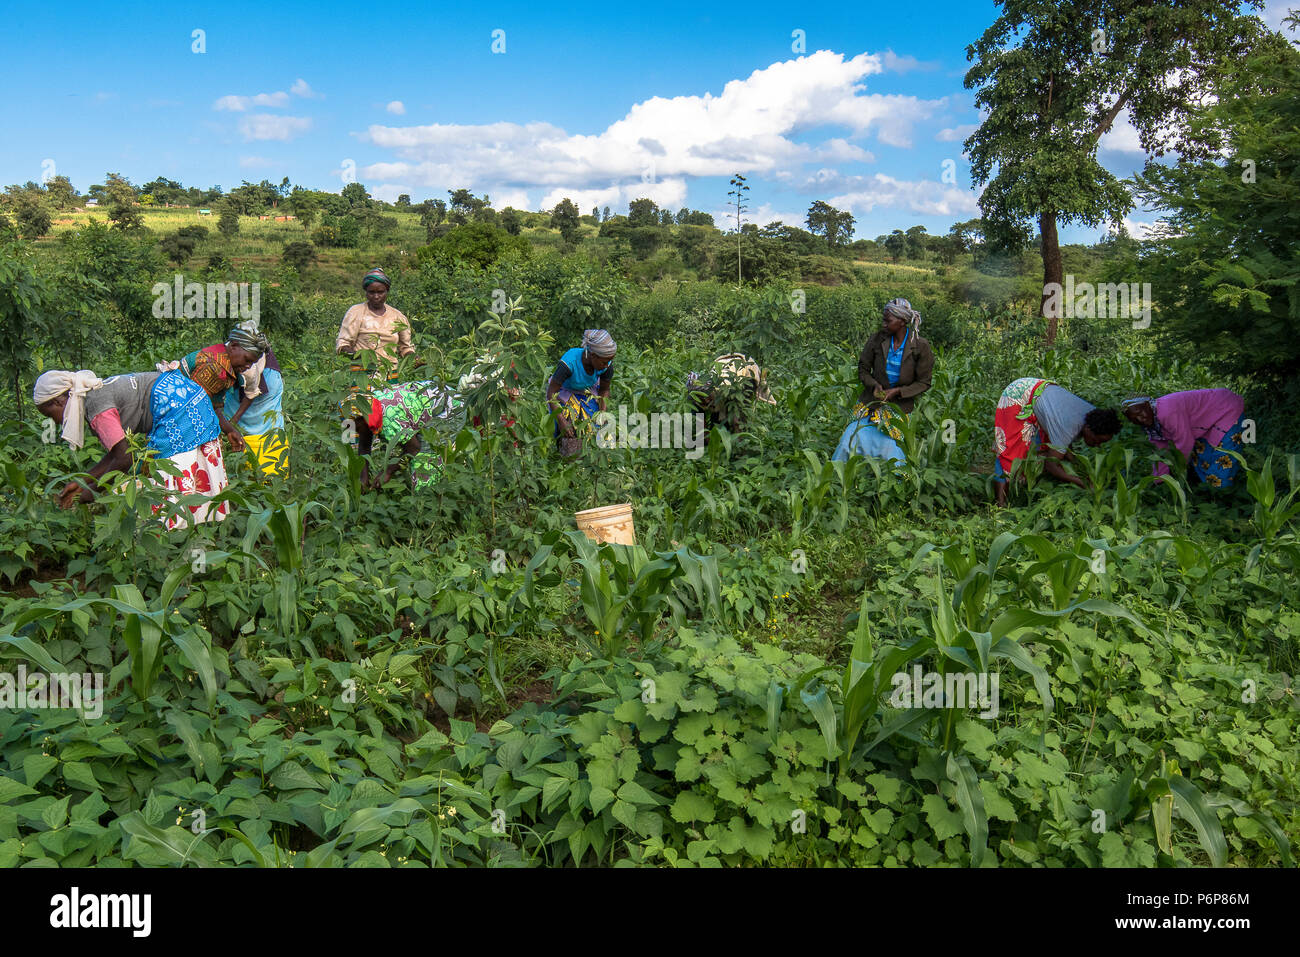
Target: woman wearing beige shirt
375 325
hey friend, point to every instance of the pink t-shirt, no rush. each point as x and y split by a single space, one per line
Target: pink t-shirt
1185 417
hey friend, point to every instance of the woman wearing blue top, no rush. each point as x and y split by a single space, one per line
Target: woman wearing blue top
895 367
579 387
262 418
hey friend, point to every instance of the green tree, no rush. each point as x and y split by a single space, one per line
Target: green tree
642 212
834 225
228 223
33 218
1223 266
896 244
479 243
298 255
403 201
916 242
738 193
121 197
565 218
1052 81
511 221
303 203
354 194
62 194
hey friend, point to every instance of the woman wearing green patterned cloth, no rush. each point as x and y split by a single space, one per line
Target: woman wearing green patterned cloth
396 415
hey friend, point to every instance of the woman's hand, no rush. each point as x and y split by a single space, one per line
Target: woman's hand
892 394
236 440
70 495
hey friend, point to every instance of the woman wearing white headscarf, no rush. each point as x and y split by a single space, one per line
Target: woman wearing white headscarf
168 407
895 367
569 394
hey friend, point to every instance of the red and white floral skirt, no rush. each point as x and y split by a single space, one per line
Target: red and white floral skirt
202 472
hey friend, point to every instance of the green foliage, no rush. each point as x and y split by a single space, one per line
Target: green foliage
1225 275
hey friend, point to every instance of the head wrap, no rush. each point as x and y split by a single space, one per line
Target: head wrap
1153 431
903 310
376 275
53 384
599 343
250 340
736 365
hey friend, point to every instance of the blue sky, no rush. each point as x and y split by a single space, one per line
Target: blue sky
597 102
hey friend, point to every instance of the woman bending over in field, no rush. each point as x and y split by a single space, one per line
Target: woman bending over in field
726 395
221 366
263 420
569 392
396 414
895 367
171 409
1035 414
1204 425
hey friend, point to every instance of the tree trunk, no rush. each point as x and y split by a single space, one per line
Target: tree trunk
1051 272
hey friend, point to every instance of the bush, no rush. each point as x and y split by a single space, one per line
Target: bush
299 255
479 243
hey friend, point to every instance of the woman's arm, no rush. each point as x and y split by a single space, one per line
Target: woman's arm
864 368
1052 459
403 329
245 402
219 406
116 459
924 372
347 337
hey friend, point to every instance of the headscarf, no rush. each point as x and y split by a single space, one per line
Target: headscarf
248 339
53 384
376 275
903 310
1154 432
599 343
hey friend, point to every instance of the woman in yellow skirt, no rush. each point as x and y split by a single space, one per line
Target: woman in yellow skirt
263 419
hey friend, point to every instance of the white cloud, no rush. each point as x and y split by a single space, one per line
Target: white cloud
956 134
397 107
518 198
1121 137
902 64
264 126
1273 13
918 196
303 89
239 104
1137 229
254 162
760 216
748 127
389 192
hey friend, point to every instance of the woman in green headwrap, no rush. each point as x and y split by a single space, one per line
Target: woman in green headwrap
375 325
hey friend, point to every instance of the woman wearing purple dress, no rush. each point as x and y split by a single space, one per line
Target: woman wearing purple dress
1204 425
